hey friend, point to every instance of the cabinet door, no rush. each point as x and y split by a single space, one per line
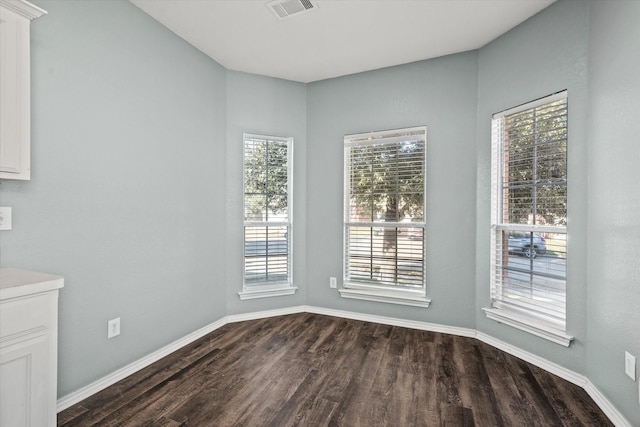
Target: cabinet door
24 369
28 359
14 95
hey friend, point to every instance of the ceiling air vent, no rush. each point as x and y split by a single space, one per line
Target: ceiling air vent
287 8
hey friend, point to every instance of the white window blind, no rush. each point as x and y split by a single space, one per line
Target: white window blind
529 212
384 224
267 211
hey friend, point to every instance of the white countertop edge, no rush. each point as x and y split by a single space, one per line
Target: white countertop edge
16 283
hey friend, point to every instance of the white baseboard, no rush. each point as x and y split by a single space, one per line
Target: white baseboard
394 321
580 380
610 411
264 314
104 382
540 362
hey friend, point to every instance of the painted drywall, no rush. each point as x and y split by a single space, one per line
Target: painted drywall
440 94
275 107
125 201
614 201
137 167
544 55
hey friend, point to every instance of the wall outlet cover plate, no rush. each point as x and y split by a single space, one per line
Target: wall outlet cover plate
114 328
5 218
630 365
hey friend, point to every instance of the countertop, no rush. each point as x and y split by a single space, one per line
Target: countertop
15 282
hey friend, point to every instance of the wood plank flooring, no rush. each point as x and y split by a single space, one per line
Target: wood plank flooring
314 370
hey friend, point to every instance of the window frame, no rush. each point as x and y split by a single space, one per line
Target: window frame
369 291
263 289
548 326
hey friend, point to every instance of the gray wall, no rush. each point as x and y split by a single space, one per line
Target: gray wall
265 106
591 49
545 54
124 202
614 201
441 94
135 195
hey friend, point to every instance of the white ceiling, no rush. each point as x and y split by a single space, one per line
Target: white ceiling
339 37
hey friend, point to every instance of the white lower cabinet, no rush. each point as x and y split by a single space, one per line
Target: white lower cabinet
28 347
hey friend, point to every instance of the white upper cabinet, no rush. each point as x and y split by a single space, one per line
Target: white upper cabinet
15 93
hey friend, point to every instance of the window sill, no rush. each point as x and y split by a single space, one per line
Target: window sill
529 324
266 292
387 296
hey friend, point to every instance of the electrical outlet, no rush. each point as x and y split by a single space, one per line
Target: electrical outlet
333 282
5 218
630 365
114 328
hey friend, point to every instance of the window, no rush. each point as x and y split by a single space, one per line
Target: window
384 223
529 218
267 216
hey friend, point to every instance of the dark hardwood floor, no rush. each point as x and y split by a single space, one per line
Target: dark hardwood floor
313 370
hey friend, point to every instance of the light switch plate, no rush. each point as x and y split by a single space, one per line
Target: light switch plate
5 218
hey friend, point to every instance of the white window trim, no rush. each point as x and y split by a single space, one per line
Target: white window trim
262 290
362 291
404 297
530 324
532 104
265 291
523 320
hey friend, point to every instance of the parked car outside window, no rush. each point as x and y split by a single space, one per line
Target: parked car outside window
527 244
